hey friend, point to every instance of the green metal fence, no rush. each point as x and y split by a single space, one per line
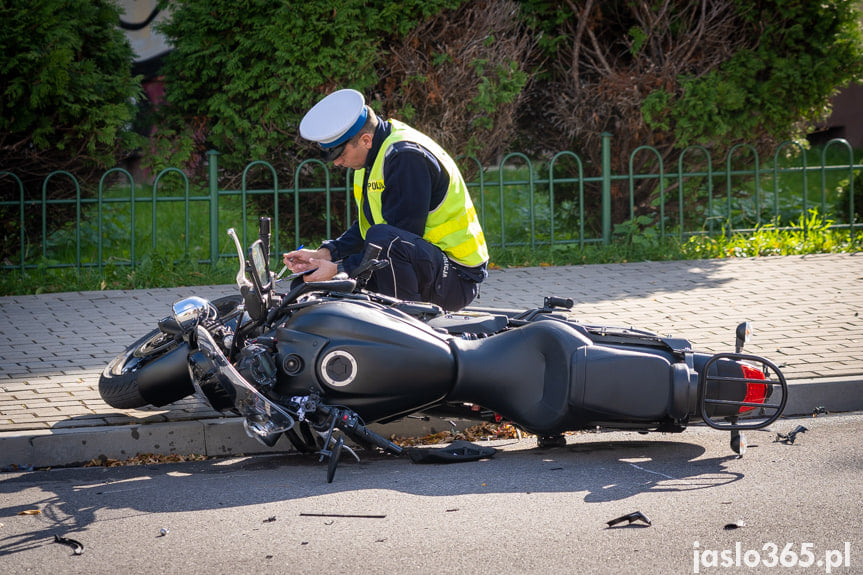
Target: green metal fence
521 202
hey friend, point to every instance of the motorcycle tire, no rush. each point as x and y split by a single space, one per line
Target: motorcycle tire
153 370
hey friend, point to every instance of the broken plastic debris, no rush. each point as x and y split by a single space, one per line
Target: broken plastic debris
820 410
457 451
790 437
357 516
736 525
631 517
76 545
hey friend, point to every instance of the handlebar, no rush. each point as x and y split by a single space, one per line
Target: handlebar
554 301
368 264
264 234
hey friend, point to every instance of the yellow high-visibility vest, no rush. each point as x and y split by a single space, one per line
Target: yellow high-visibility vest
453 226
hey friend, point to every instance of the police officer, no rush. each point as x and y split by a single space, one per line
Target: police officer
412 201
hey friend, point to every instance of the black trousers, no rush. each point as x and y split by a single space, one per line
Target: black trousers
418 270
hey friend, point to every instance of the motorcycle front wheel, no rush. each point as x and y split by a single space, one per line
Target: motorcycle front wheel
154 370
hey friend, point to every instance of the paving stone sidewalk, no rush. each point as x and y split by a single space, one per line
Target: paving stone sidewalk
805 311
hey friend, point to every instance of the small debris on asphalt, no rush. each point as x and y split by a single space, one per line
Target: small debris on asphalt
631 518
820 410
29 512
419 417
789 438
736 525
349 515
164 531
270 519
76 545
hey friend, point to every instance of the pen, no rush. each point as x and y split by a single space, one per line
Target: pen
286 265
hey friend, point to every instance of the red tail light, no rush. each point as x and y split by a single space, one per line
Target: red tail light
755 392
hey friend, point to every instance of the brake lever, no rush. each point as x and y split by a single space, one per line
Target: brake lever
334 453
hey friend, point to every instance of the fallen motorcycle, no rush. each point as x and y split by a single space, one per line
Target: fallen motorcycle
320 362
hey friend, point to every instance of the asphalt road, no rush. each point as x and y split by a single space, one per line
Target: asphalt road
525 510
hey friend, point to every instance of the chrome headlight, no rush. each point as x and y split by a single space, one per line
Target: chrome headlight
190 311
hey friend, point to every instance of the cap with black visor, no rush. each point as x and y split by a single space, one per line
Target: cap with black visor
333 121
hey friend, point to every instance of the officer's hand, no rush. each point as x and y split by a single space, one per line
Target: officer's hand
326 270
300 260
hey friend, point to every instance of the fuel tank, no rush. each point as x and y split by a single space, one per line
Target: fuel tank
374 360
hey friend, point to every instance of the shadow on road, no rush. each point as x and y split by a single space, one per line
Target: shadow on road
594 471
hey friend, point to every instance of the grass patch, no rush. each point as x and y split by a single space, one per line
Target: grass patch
810 235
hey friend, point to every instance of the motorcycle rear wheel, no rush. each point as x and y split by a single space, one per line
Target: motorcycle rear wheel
153 370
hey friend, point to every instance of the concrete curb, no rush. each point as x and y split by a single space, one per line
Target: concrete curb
833 394
223 437
219 437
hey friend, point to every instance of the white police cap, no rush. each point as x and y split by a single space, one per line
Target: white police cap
334 120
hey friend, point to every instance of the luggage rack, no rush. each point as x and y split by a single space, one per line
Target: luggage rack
766 412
